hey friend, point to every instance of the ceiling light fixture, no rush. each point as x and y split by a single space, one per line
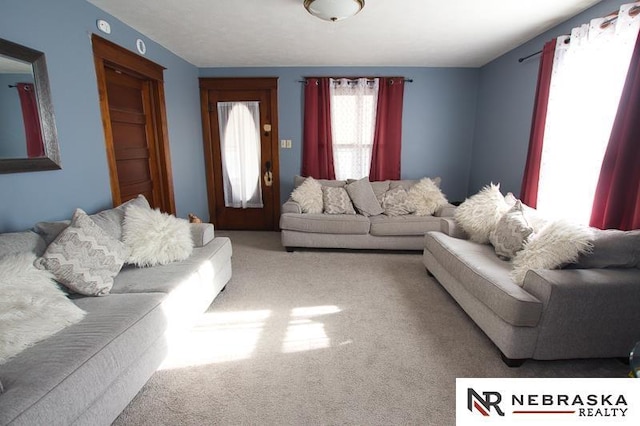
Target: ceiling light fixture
333 10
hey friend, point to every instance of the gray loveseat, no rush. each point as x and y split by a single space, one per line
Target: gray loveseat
557 314
356 231
87 373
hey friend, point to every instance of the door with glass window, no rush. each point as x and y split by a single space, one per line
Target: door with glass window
241 149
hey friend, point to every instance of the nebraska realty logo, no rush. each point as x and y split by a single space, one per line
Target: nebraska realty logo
560 401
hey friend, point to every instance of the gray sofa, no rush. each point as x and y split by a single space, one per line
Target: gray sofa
557 314
87 373
345 231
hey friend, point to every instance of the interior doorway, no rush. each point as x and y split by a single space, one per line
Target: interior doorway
132 104
240 129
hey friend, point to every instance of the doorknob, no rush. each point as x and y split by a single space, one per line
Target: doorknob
268 176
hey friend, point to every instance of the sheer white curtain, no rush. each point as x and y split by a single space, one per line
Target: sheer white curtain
586 84
353 120
240 149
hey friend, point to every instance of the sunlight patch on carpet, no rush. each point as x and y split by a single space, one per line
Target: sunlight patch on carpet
305 331
217 337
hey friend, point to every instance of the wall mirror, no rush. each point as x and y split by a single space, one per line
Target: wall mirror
28 136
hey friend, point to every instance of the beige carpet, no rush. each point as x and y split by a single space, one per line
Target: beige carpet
328 337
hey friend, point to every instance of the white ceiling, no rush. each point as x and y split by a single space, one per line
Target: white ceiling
426 33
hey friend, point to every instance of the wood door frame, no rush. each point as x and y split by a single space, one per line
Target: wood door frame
106 53
232 84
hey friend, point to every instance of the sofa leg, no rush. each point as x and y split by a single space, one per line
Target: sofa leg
289 249
512 362
428 272
223 288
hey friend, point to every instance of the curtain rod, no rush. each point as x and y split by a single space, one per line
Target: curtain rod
408 80
11 85
632 12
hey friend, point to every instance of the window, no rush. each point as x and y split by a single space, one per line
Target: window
586 84
353 118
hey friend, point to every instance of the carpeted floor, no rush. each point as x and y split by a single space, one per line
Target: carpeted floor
328 337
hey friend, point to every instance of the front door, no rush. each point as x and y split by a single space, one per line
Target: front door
241 149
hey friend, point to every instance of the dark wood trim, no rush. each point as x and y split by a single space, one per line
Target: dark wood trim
244 84
111 52
106 54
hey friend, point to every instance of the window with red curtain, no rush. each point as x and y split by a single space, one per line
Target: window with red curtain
617 199
382 154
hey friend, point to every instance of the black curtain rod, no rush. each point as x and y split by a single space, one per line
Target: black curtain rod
11 85
524 58
613 17
408 80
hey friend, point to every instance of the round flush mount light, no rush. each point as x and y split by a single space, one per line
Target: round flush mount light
333 10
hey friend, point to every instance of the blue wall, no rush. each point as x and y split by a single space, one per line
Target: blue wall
505 105
61 29
438 119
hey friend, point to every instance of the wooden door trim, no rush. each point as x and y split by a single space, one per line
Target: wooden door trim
245 83
106 53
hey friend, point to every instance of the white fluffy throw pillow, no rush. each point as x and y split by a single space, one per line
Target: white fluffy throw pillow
32 306
479 214
557 244
427 197
309 196
155 238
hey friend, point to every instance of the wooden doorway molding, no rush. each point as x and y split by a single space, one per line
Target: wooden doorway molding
264 90
108 55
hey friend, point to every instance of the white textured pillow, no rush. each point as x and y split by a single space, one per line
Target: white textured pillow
557 244
155 238
309 196
479 214
32 306
396 202
427 197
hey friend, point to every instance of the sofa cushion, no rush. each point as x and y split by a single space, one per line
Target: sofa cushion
486 277
479 214
154 237
383 225
109 220
363 197
32 305
84 258
336 201
396 202
18 242
380 188
325 224
309 196
612 249
427 197
188 284
557 244
511 233
81 360
298 180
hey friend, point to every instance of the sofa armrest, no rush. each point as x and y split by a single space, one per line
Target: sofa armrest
445 211
450 227
201 233
291 206
591 312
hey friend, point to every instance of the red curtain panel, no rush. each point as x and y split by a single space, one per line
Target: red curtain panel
317 148
529 189
31 119
387 139
616 203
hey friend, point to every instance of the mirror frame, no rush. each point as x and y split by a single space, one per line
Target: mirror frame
51 160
